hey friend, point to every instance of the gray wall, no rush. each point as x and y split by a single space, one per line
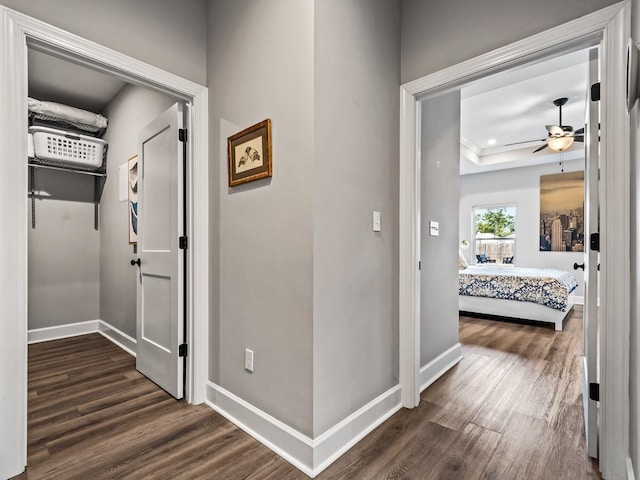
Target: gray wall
634 370
522 187
166 33
355 279
64 262
440 186
128 112
261 66
436 35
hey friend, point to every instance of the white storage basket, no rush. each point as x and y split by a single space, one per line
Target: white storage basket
65 148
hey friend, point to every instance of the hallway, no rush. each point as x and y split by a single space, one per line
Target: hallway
510 410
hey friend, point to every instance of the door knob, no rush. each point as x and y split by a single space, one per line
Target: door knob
576 266
135 262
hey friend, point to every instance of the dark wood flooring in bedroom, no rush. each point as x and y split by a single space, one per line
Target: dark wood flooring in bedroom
510 410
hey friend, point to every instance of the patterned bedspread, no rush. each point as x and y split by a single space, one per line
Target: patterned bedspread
546 286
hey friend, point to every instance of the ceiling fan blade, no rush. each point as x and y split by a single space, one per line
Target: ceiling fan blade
578 138
555 130
580 131
526 141
541 147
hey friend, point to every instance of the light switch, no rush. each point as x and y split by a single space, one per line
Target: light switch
376 221
248 360
434 228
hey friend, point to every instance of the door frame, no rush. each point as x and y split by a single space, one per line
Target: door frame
18 32
611 27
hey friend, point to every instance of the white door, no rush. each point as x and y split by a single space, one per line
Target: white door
591 174
160 299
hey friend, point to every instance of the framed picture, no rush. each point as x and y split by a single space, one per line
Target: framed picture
562 212
132 182
250 154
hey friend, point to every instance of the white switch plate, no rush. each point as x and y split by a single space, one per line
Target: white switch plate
248 359
434 228
376 221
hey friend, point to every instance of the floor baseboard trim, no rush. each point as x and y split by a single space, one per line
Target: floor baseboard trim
111 333
578 300
117 336
295 447
437 367
336 441
311 456
630 473
46 334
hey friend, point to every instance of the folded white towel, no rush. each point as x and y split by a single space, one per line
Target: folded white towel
66 112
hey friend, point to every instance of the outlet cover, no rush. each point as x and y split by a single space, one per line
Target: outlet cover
434 228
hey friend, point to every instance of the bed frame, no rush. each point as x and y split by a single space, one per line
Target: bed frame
515 309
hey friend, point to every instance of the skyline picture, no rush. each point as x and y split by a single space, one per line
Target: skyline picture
562 212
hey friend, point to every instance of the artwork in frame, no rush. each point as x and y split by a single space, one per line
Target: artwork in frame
249 153
132 181
562 212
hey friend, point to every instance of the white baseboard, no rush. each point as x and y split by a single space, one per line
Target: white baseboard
578 300
124 341
108 331
62 331
630 474
433 370
311 456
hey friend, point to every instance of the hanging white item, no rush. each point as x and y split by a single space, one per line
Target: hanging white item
66 112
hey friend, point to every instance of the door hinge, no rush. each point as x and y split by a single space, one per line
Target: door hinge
594 392
594 241
182 350
595 92
419 265
183 243
182 134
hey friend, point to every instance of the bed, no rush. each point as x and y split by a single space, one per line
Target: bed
543 295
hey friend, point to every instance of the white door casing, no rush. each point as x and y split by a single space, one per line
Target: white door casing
590 312
18 32
611 25
160 299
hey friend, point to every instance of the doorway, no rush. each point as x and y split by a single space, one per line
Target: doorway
610 26
19 33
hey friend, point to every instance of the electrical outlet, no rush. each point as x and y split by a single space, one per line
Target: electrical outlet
248 360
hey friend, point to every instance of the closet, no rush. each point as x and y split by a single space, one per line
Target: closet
83 130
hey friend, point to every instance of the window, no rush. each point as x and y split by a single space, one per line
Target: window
495 234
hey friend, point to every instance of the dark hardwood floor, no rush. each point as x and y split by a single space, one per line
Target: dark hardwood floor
510 410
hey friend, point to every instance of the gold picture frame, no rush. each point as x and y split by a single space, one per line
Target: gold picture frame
249 154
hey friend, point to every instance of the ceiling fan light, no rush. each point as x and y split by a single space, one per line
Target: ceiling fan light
560 144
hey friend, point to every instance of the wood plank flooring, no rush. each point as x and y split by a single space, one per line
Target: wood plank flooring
510 410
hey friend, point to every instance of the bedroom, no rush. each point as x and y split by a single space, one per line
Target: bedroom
521 201
511 370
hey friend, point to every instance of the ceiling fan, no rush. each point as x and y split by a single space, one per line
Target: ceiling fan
560 137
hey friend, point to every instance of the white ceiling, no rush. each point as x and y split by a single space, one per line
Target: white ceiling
57 80
514 106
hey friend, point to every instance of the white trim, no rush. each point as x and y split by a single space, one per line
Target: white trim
311 456
611 25
332 444
57 332
437 367
117 336
108 331
16 32
578 300
615 274
573 33
630 473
